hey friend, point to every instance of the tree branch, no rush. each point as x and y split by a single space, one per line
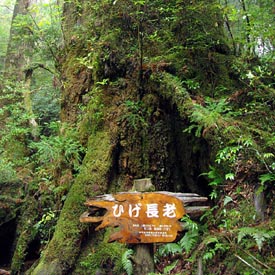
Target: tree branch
248 264
39 65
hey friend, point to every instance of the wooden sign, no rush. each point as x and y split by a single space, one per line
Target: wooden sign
139 217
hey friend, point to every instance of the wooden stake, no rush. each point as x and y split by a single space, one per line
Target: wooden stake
144 253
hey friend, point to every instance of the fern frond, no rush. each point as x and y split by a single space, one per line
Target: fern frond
189 240
191 236
259 235
126 262
170 267
170 248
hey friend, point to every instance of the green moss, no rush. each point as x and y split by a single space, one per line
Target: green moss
100 256
172 90
26 235
92 114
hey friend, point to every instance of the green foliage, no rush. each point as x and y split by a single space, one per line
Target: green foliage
213 246
55 150
185 244
168 249
215 120
126 261
106 257
15 130
46 225
92 115
213 116
5 18
45 100
135 114
7 171
40 25
167 270
191 84
216 178
249 26
268 177
191 237
259 235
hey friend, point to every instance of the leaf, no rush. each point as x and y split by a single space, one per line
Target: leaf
170 248
208 255
189 240
191 236
268 155
230 176
126 262
227 200
267 177
169 268
259 235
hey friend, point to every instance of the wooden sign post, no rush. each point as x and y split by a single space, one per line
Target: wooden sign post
141 217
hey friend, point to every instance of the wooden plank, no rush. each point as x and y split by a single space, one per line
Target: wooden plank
191 210
184 197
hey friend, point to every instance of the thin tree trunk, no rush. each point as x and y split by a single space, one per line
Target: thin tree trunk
28 104
248 27
15 58
18 59
227 23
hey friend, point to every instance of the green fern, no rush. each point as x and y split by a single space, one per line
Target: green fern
213 246
191 236
126 261
259 235
213 115
169 268
268 177
189 240
169 249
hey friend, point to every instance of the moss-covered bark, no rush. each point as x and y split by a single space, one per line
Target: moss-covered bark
64 247
26 234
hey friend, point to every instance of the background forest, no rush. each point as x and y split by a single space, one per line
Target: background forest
95 94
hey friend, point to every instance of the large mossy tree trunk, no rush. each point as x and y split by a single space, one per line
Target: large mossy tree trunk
125 67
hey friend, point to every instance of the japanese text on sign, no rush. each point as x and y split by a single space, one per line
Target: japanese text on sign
152 210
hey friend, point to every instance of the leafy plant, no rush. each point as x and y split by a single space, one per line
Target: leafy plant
186 243
167 270
268 177
45 226
216 179
190 238
213 246
259 235
7 171
168 249
212 116
126 261
135 114
52 150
